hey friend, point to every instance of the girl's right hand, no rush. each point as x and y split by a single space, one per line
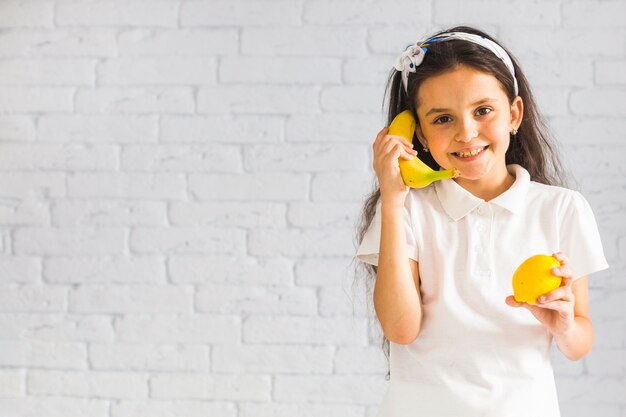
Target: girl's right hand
387 150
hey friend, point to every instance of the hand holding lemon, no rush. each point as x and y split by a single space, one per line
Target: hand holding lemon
543 284
534 278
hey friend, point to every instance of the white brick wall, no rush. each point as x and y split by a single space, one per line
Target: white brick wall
180 182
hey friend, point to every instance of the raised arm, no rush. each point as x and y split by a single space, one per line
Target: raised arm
396 294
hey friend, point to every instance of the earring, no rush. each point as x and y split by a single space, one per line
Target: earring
424 145
513 132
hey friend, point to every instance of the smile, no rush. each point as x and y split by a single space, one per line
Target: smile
468 154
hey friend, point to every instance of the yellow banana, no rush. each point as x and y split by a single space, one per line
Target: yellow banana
415 173
403 125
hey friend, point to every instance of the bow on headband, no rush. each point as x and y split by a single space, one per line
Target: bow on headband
413 55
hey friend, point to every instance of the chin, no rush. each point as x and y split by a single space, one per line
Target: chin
473 174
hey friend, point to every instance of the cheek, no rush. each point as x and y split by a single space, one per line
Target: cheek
439 143
499 134
436 136
502 124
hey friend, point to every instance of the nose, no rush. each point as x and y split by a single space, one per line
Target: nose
467 131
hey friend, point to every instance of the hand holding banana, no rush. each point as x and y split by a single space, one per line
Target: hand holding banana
388 150
415 173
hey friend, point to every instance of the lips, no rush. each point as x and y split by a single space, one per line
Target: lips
470 152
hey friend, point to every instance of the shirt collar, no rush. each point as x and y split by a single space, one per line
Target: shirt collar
457 202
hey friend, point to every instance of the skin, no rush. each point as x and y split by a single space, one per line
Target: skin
464 110
565 312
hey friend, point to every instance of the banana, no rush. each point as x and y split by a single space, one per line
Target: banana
415 173
403 125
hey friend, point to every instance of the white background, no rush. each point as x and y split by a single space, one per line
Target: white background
180 183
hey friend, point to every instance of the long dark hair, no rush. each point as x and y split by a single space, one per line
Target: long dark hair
532 147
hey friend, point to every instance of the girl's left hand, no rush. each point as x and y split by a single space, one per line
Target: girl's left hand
555 310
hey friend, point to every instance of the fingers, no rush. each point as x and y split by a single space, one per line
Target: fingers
562 271
383 137
557 299
409 153
510 301
561 298
392 146
392 151
381 134
405 147
555 296
561 257
566 274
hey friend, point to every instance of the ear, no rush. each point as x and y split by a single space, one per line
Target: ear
420 135
517 112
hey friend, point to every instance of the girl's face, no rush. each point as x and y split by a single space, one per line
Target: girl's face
465 119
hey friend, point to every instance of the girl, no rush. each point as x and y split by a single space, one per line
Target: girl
442 257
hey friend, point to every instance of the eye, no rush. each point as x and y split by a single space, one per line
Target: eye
442 120
483 111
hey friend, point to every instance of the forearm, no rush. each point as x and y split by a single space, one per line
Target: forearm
576 343
396 298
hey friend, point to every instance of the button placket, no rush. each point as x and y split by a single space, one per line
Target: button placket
483 246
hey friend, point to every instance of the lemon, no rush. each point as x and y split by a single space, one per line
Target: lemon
533 278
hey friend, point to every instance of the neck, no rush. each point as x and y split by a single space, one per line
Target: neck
488 188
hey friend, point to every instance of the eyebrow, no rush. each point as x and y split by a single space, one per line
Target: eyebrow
439 110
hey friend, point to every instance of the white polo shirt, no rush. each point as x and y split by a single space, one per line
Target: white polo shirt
475 355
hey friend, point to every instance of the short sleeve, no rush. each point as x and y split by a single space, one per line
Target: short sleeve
369 247
580 238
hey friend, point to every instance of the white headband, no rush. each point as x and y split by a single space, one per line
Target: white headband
413 55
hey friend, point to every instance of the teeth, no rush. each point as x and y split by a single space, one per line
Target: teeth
472 153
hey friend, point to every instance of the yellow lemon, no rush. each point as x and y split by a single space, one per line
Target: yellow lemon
533 278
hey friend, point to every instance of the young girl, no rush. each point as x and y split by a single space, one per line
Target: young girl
443 257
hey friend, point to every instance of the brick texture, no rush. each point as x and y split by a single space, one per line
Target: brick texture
180 182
